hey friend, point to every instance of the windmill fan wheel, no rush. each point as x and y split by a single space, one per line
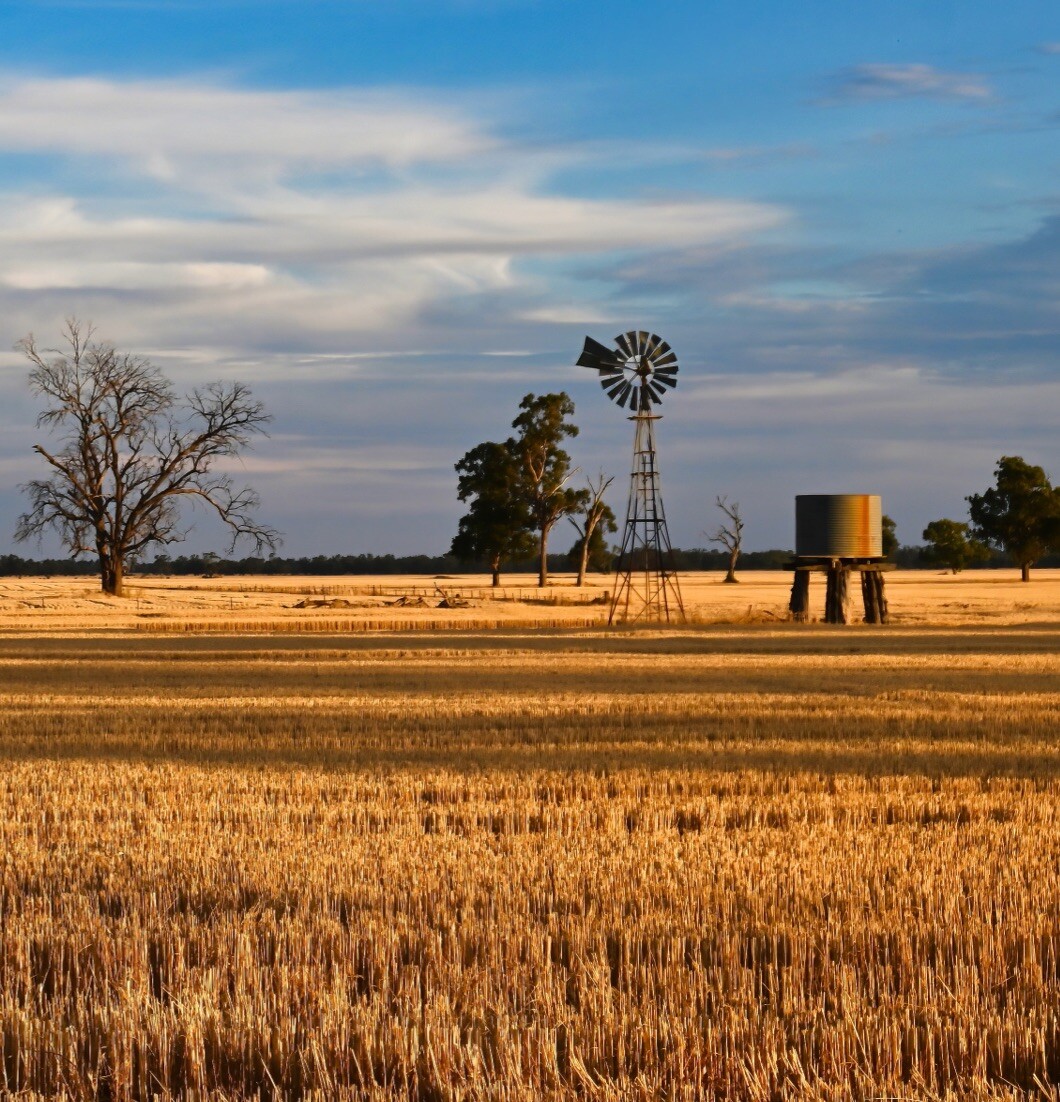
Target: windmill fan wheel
636 372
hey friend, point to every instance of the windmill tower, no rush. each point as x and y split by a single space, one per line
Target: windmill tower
636 374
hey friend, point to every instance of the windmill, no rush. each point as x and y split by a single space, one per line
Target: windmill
636 374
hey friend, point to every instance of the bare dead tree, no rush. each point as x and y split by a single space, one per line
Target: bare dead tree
594 510
128 455
729 534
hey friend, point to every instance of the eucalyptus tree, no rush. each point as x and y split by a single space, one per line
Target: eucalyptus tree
496 527
542 426
1020 513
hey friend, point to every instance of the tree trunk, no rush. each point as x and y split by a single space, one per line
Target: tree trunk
583 565
495 570
112 574
1025 571
542 566
731 575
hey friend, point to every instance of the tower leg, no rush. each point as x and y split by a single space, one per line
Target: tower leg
646 585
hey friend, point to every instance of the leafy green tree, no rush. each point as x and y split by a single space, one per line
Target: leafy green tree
1019 514
496 527
890 537
949 545
541 428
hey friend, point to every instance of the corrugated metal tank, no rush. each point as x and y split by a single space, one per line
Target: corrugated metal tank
839 526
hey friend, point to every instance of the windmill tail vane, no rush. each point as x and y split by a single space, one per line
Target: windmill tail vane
636 374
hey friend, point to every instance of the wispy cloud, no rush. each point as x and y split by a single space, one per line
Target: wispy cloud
301 217
881 81
1049 47
162 125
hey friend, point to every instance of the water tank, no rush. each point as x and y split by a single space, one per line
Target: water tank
838 526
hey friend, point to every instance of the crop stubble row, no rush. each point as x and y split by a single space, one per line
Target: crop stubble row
403 887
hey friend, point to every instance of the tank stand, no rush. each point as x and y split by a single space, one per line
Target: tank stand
839 598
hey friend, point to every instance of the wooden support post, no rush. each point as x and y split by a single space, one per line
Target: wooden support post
868 596
873 593
881 598
837 594
799 605
839 590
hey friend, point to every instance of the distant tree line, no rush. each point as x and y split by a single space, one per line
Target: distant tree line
163 565
911 556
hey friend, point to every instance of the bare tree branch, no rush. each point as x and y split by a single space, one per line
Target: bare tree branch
127 454
729 534
593 509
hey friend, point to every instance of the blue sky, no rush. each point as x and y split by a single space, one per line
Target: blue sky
394 218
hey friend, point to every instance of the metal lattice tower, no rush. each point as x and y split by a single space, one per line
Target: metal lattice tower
638 373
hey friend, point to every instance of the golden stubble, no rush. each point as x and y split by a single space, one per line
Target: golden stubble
736 864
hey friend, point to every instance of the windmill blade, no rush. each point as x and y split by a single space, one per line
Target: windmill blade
653 345
597 356
637 372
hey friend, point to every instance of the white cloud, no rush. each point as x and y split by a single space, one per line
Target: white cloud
902 81
570 314
120 275
301 217
158 124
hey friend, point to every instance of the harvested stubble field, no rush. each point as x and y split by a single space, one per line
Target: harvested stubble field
746 862
341 604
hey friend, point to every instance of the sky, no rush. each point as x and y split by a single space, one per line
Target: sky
395 218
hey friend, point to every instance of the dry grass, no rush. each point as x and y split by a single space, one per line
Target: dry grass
743 862
263 604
